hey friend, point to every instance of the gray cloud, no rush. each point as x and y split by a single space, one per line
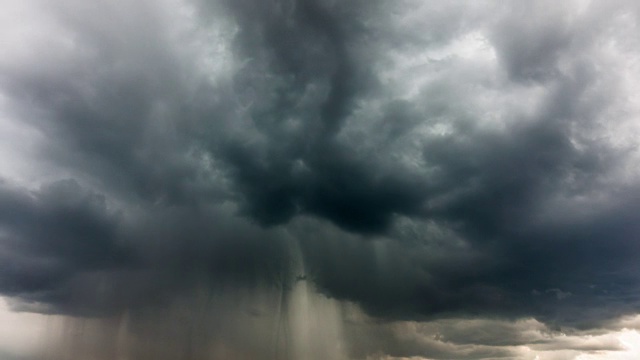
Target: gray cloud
50 235
420 160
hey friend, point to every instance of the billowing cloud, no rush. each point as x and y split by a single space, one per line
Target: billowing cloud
464 166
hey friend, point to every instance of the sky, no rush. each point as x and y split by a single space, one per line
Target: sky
319 179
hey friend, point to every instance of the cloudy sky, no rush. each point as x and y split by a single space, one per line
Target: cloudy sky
319 179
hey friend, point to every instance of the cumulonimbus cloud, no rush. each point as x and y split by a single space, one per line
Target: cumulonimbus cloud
428 160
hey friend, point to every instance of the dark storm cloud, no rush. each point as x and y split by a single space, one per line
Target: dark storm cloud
110 109
316 78
51 235
501 191
65 250
417 186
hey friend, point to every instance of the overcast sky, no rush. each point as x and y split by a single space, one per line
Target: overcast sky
320 179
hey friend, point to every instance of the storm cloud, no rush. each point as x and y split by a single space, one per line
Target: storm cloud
424 171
